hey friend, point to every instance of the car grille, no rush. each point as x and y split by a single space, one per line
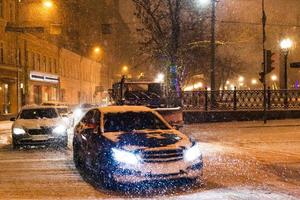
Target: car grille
42 131
162 156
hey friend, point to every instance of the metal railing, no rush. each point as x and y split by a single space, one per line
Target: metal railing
235 100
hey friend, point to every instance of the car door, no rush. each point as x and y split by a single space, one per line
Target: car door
90 136
94 147
83 129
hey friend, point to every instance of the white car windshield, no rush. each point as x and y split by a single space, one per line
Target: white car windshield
39 113
128 121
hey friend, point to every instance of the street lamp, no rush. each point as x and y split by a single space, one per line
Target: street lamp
285 45
212 40
48 4
274 77
160 78
254 82
97 50
241 79
125 69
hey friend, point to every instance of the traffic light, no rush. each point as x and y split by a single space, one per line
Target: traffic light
269 61
262 77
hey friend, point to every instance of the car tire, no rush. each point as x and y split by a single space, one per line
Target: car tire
15 146
107 180
76 157
104 174
64 143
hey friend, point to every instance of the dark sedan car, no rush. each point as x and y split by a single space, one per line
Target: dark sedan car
133 144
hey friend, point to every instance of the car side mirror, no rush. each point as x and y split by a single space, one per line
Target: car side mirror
12 119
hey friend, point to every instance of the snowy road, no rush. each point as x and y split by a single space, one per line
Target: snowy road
243 160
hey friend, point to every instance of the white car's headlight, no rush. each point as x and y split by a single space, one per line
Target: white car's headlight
19 131
59 130
125 157
193 153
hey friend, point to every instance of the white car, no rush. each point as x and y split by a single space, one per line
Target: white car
39 125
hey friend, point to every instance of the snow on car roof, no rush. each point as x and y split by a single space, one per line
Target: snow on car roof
118 109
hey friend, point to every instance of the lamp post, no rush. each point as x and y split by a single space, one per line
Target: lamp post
212 46
285 45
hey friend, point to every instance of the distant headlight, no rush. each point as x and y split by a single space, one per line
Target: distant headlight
125 157
77 113
193 153
59 130
18 131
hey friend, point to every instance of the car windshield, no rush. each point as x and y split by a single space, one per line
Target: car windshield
62 110
38 113
128 121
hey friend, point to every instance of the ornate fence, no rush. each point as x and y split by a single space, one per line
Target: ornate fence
231 100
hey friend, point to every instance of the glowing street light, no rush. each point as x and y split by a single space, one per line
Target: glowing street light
97 50
160 78
48 4
254 82
241 79
125 69
274 77
286 44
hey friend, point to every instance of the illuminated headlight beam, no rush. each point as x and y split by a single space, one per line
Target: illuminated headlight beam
125 157
18 131
193 153
59 130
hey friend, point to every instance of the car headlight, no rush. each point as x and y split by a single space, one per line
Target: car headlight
193 153
125 157
59 130
77 113
19 131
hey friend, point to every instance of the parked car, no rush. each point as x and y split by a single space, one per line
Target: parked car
36 125
133 144
66 114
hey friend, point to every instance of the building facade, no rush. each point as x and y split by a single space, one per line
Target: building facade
8 66
36 69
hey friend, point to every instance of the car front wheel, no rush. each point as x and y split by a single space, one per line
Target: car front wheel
15 145
76 156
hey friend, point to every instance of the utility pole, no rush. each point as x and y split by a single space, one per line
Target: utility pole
213 46
264 21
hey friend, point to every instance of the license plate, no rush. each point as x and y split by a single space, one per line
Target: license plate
39 137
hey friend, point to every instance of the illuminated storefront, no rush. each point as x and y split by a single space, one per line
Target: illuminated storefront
43 87
8 91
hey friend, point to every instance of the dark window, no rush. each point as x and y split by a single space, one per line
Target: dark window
92 117
106 29
128 121
39 113
39 62
33 60
62 111
1 52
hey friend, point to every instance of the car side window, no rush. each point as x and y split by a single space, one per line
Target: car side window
88 118
91 121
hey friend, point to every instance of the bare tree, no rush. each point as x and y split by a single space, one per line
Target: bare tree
168 29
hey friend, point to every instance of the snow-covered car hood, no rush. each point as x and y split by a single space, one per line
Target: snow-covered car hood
155 139
38 123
